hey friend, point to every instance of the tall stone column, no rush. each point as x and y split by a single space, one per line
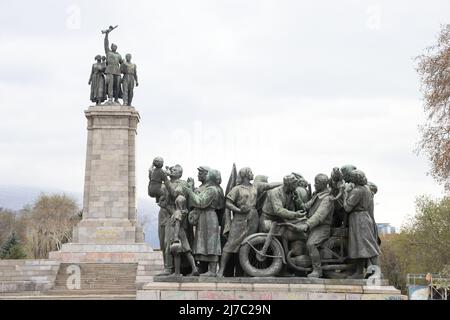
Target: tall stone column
108 230
109 206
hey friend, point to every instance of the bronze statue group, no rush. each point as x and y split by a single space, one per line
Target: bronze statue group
257 228
112 77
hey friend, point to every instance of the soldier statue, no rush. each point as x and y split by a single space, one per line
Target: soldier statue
129 79
113 62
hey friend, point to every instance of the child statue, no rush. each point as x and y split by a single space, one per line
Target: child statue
157 176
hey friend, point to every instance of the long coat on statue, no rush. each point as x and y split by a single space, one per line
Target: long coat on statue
362 239
206 245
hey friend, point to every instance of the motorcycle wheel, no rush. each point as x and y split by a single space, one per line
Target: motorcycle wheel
252 266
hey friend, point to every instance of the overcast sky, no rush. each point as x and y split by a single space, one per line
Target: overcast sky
279 86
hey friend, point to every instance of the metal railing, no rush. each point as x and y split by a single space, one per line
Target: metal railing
439 286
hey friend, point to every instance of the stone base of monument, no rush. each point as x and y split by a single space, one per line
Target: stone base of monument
148 262
198 288
109 236
107 231
118 277
27 275
104 253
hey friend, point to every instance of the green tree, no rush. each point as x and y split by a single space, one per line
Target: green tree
6 224
12 248
430 233
392 266
12 222
423 244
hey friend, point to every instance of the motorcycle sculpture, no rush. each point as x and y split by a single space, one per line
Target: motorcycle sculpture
264 254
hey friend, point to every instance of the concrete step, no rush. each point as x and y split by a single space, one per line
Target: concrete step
148 273
44 279
151 262
99 269
21 293
150 267
88 289
97 278
146 278
99 284
100 275
105 265
96 283
103 281
147 269
28 269
27 275
7 267
5 274
91 296
36 262
38 279
17 286
23 281
27 266
58 291
101 272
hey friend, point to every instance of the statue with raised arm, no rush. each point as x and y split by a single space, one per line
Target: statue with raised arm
113 62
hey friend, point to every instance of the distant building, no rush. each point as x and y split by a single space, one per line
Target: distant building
385 228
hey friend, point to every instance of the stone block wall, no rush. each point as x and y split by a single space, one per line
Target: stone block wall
27 275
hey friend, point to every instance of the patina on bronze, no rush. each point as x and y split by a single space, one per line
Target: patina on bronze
294 232
113 78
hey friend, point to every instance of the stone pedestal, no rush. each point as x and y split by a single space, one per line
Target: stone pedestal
108 230
198 288
109 205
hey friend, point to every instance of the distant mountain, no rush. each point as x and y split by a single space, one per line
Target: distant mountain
16 197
